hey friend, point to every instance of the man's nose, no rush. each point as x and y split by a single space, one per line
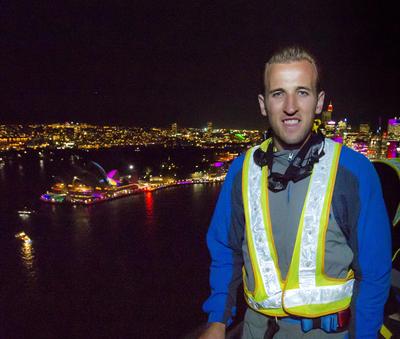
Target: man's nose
290 106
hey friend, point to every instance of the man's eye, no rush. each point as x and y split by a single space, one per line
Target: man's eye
303 93
277 94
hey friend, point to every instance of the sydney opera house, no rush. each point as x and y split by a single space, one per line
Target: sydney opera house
89 183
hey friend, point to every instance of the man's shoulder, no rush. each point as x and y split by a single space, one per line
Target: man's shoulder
352 155
237 163
356 171
235 170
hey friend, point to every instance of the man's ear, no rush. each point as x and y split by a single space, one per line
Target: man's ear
320 102
261 102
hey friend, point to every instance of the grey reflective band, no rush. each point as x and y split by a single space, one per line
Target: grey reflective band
318 295
259 234
313 209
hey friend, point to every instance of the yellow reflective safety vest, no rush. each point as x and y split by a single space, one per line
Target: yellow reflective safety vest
307 291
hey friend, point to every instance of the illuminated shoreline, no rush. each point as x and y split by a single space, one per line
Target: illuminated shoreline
90 197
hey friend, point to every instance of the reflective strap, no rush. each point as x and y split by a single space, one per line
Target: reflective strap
318 295
313 211
274 302
258 233
316 207
290 320
386 333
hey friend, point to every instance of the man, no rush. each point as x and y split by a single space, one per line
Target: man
305 219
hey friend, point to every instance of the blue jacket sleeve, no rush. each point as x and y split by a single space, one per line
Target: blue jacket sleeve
374 252
226 260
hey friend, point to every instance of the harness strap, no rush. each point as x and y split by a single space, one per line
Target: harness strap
331 323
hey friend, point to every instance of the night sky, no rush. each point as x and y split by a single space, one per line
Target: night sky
151 63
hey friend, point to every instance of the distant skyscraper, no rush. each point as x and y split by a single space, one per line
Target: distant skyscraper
327 115
330 107
364 128
174 128
209 127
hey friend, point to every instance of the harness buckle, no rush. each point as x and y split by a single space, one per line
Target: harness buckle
337 322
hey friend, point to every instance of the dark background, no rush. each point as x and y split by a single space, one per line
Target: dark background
151 63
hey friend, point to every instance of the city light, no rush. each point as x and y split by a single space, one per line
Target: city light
83 136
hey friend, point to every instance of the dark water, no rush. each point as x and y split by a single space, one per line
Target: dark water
136 267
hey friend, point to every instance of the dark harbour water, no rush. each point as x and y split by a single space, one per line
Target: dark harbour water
135 267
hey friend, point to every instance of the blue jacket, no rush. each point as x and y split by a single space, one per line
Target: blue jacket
361 214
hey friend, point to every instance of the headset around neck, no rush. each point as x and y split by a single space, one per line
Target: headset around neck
299 167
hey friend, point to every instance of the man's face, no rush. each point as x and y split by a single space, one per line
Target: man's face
290 102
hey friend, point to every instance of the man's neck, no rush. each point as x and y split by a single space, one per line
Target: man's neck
281 146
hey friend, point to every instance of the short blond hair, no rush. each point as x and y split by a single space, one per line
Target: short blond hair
291 54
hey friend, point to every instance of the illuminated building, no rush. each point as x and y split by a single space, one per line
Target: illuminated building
14 137
394 127
364 128
330 128
327 115
209 130
375 147
393 149
92 186
361 146
341 127
174 128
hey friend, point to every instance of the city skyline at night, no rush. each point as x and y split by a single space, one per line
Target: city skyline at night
383 142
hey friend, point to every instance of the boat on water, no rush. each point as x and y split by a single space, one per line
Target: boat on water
24 237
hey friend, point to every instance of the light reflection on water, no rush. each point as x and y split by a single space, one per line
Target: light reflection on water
149 202
198 188
150 220
2 174
81 225
41 165
28 259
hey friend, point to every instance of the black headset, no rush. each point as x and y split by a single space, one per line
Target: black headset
296 170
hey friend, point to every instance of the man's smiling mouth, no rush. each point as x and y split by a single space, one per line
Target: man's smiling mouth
291 121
